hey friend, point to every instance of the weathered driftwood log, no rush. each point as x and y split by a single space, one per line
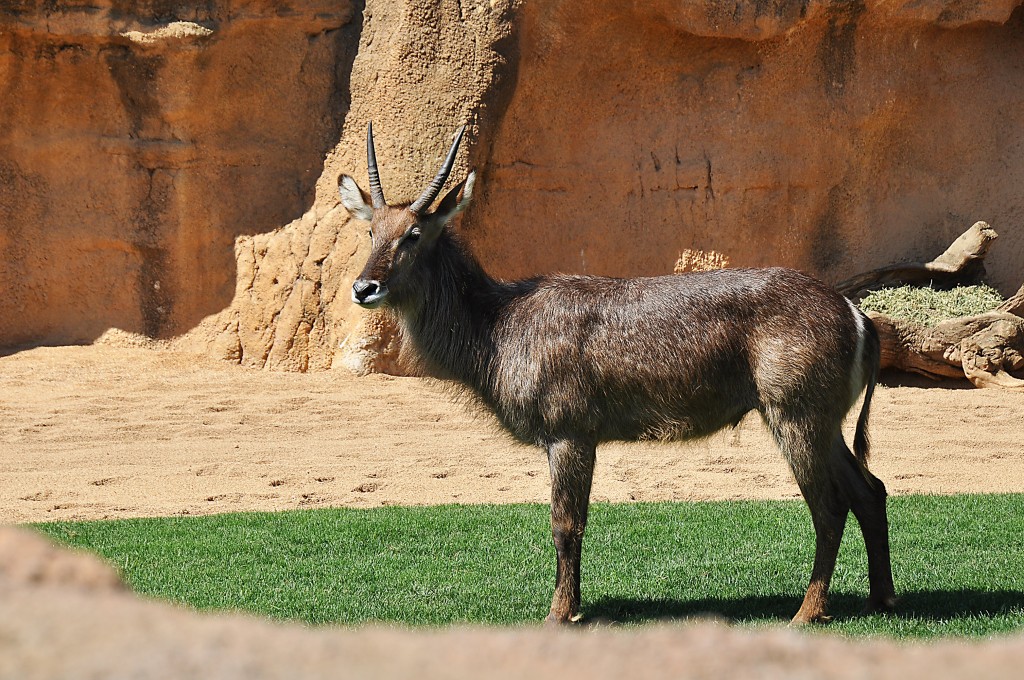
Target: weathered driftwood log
987 349
1014 304
963 263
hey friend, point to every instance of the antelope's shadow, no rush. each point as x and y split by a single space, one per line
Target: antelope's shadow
931 605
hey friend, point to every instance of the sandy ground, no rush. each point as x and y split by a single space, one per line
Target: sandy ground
106 431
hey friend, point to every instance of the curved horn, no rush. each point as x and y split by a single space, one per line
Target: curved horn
376 192
431 192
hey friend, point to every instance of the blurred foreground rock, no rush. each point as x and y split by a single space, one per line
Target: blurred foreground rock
65 622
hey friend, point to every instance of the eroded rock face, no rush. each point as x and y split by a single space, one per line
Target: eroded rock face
420 70
828 136
138 140
169 171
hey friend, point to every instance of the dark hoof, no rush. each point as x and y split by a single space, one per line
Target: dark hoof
815 619
553 620
883 605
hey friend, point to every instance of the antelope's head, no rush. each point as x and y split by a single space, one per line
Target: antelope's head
403 235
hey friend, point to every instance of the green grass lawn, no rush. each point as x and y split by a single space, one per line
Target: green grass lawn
958 563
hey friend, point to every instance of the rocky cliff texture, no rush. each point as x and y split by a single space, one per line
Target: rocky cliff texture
170 169
138 140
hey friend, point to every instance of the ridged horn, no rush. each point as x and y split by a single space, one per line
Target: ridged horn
376 192
434 189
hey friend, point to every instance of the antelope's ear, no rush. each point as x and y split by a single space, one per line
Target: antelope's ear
455 201
354 199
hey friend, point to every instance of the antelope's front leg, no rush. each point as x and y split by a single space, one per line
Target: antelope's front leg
572 470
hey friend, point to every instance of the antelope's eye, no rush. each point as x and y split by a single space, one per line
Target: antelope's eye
412 235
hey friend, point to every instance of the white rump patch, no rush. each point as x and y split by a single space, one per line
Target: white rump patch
857 372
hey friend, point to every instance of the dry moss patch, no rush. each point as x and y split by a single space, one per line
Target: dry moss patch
928 306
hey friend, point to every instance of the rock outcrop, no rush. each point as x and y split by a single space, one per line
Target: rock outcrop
171 171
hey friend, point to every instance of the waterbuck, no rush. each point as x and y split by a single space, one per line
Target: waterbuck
568 362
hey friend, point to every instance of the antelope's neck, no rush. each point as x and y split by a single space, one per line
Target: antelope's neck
451 321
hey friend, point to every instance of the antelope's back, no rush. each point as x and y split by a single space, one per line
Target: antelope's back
672 357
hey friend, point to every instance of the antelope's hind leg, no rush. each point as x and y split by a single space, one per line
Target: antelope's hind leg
572 471
809 454
828 513
867 496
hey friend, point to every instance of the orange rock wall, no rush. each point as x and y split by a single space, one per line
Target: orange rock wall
832 137
132 154
179 180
